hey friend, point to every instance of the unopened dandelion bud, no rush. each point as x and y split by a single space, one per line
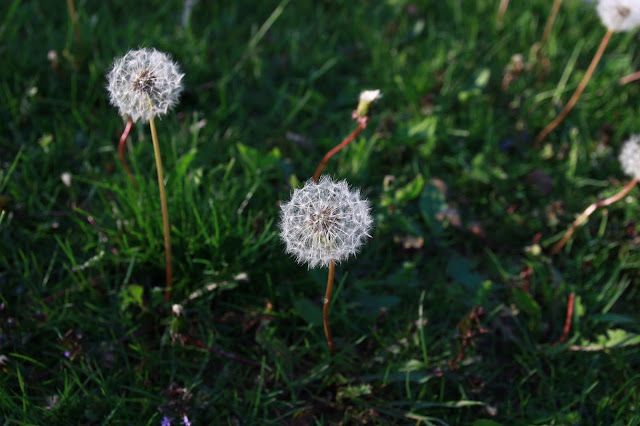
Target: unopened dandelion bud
144 83
366 99
324 221
619 15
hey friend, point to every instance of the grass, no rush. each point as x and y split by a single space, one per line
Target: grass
449 315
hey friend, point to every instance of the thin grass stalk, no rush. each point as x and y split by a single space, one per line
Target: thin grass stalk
165 212
576 95
589 211
74 20
551 20
335 150
325 306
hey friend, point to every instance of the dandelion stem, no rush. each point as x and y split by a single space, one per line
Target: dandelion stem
574 98
629 78
326 303
502 9
567 321
551 20
336 149
589 211
121 145
165 213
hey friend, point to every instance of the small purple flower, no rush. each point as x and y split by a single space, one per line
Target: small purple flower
165 421
185 420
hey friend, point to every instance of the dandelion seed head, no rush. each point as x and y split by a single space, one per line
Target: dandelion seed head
630 157
144 83
324 221
619 15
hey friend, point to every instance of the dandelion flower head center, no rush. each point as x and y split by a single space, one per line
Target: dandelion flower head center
623 11
323 220
145 82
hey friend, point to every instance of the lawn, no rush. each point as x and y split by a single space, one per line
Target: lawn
457 310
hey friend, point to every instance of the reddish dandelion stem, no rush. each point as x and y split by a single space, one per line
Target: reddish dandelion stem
325 306
629 78
336 149
121 145
576 95
589 211
567 321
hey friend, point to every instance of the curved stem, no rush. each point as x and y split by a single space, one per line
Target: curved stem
326 304
335 150
165 212
574 98
589 211
121 145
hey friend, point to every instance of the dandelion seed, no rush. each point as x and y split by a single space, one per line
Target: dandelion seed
630 157
324 221
144 83
619 15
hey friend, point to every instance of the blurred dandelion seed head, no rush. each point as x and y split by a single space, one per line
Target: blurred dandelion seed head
144 83
324 221
619 15
630 156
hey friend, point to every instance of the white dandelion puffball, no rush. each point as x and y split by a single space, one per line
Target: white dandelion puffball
630 157
619 15
324 221
144 83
